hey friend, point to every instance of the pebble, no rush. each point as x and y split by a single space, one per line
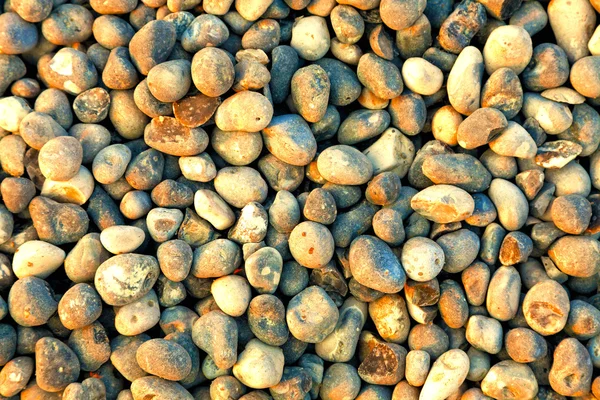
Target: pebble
15 375
175 361
461 170
546 307
58 223
289 138
122 239
310 37
335 165
76 190
443 204
206 265
422 77
56 365
571 378
373 264
232 294
507 46
155 386
37 258
151 45
259 366
340 379
461 26
510 202
446 375
502 301
382 77
21 36
510 377
581 18
422 259
139 271
310 324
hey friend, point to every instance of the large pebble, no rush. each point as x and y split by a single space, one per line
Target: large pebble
239 186
507 47
446 375
245 111
168 136
422 259
508 378
344 165
510 202
259 366
37 258
309 323
576 255
56 365
311 244
421 76
546 307
443 204
310 37
573 24
289 138
58 223
31 301
125 278
373 264
175 363
152 45
571 372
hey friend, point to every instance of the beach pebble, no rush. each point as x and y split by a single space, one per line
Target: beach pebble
443 203
308 323
205 264
232 294
421 76
217 334
507 46
310 92
56 365
546 307
289 138
122 239
155 386
502 301
481 127
383 78
21 36
373 264
509 376
58 223
576 255
572 377
446 375
510 202
340 379
259 366
422 259
37 258
139 271
572 25
31 301
310 37
581 68
175 361
151 45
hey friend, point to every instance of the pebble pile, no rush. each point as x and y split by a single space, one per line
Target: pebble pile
299 199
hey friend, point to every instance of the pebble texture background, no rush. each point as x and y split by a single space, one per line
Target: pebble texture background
299 199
